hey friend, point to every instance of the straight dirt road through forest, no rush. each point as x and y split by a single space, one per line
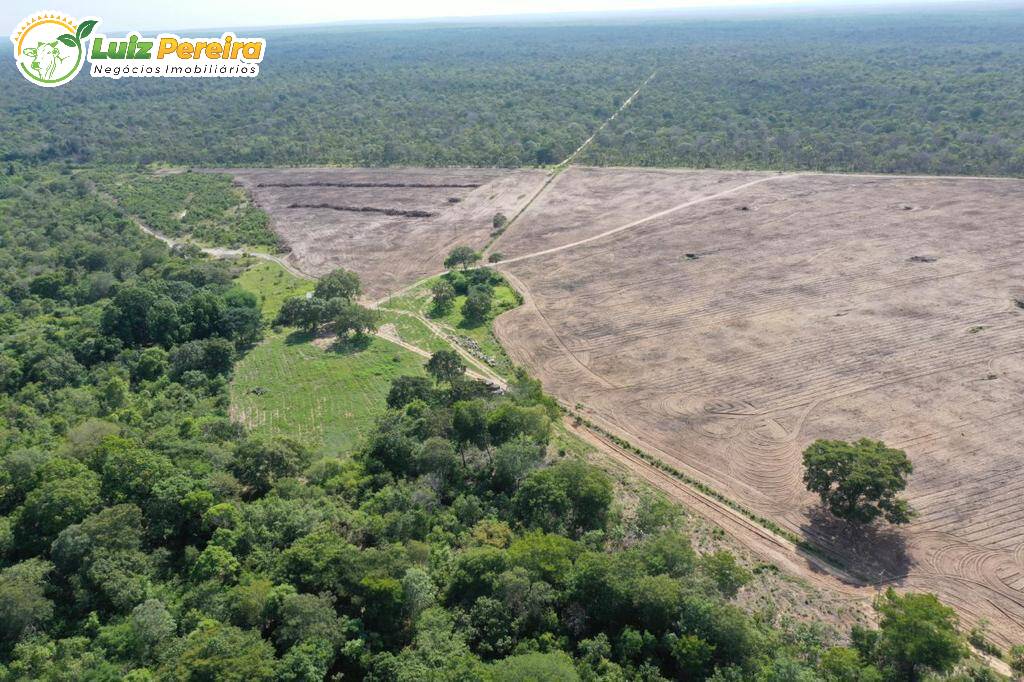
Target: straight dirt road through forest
629 100
567 162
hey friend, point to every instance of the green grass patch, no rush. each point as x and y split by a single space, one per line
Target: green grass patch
415 300
325 399
412 330
479 338
564 440
504 299
272 284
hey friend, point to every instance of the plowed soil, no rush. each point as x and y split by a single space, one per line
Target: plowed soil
725 323
583 202
388 251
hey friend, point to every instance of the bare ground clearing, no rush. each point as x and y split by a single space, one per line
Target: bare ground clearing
583 202
726 336
388 251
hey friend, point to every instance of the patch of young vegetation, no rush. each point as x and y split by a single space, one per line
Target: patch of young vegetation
443 300
321 391
567 443
415 300
325 398
204 207
272 285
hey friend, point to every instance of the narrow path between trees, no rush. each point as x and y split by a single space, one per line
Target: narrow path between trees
216 251
473 372
586 143
489 248
219 252
475 369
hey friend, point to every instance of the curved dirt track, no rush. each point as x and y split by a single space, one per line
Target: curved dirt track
219 252
726 333
646 219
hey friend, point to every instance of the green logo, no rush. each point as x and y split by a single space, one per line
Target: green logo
48 47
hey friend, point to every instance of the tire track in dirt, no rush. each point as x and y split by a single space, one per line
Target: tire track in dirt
529 304
983 558
641 221
215 252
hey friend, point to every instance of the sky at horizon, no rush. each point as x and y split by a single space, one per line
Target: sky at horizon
123 15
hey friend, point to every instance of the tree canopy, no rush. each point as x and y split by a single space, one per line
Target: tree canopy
912 92
859 481
461 255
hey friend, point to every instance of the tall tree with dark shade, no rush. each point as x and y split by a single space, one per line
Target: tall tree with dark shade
859 481
461 255
446 365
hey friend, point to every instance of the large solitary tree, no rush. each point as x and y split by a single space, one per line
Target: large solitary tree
444 295
859 481
478 304
303 312
339 283
461 255
352 317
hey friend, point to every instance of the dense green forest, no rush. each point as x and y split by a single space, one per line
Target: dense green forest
923 94
934 91
144 535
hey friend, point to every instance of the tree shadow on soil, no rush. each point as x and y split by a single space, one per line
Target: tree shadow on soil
877 551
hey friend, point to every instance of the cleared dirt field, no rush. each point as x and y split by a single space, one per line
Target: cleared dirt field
727 335
392 226
583 202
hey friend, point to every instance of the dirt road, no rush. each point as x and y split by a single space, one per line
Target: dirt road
629 100
218 252
646 219
724 337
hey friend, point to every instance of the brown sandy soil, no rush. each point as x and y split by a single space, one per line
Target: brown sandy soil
834 306
388 252
582 202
